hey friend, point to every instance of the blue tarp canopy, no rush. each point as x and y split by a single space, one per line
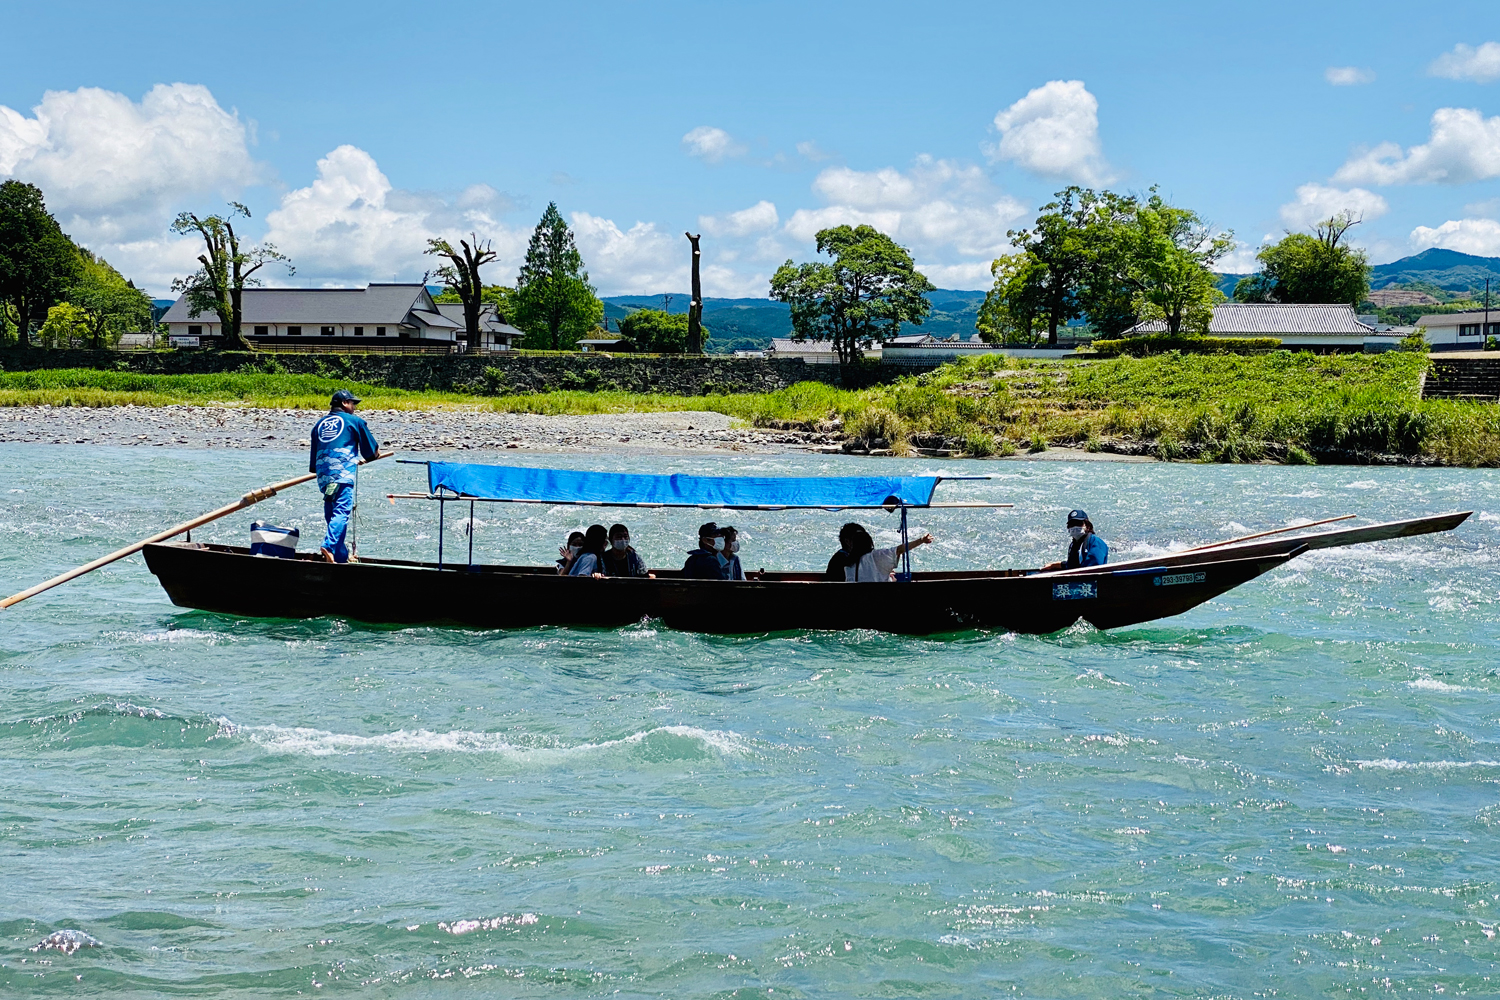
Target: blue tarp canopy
508 482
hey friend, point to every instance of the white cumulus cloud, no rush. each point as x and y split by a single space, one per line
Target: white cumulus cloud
711 145
1464 146
1468 63
1054 131
351 225
1316 202
116 171
948 214
1348 76
1476 236
758 218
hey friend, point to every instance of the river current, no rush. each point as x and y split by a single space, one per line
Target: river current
1292 791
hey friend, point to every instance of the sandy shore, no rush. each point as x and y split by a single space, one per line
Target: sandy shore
412 430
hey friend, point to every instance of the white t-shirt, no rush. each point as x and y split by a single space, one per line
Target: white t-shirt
874 567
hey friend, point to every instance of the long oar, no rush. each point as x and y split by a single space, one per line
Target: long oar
1273 531
249 499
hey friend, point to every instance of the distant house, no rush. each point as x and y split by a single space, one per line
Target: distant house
813 352
320 315
925 351
494 335
1318 327
1461 331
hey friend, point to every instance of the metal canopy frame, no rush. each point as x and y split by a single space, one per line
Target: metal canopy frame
445 497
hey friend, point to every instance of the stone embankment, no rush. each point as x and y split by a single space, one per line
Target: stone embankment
485 375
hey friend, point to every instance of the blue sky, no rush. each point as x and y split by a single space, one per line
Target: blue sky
355 131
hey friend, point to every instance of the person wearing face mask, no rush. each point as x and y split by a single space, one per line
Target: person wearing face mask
730 558
621 559
590 558
567 553
1087 548
704 562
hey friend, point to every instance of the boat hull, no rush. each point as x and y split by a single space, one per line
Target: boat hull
229 580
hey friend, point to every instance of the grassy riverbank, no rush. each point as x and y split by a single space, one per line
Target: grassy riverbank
1281 407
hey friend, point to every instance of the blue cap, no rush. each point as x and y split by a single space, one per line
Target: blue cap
1078 517
344 396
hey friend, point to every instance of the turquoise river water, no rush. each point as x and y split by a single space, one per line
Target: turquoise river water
1291 791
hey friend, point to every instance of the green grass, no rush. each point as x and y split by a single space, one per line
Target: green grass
1282 406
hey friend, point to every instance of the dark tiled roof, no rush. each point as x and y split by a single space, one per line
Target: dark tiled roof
376 304
1245 319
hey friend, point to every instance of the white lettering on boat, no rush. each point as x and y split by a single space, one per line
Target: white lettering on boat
1173 579
1073 591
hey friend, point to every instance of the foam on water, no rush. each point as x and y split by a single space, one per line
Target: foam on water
319 743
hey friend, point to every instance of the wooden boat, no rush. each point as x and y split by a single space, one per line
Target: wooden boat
228 580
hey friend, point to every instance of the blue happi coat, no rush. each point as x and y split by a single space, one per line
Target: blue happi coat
339 441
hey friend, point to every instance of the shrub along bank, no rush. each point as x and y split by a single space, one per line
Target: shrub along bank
1281 406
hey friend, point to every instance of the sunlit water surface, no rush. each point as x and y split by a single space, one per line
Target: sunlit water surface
1290 791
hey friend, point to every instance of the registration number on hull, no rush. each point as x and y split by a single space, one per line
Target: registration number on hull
1174 579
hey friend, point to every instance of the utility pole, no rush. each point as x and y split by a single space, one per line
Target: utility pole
1484 340
695 306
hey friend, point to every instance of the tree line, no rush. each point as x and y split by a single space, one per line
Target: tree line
53 289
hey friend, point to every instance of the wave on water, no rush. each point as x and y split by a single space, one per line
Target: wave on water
322 743
1429 684
1388 764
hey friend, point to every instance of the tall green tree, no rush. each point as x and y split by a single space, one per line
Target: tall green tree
38 262
554 302
869 289
460 276
659 331
1319 267
111 305
1011 309
1063 245
1173 255
228 268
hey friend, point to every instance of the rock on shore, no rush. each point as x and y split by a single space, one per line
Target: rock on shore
246 427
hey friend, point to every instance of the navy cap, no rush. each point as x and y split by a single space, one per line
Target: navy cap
344 396
1078 517
709 530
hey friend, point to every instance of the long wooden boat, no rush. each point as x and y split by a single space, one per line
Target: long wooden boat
229 580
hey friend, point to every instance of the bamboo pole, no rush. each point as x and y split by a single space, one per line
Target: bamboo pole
248 500
1263 534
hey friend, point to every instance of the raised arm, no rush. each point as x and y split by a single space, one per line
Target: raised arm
904 547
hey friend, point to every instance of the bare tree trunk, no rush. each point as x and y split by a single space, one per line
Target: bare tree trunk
23 323
695 307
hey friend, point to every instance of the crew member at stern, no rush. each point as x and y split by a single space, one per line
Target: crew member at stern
339 440
1086 548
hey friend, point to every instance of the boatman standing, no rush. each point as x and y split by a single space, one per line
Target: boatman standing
339 441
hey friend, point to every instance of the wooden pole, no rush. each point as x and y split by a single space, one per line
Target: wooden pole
249 499
695 306
1263 534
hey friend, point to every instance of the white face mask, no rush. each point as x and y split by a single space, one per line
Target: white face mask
621 544
573 550
1076 530
733 546
718 544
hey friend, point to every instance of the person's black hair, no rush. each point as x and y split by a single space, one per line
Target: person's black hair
596 539
726 529
618 529
855 540
576 538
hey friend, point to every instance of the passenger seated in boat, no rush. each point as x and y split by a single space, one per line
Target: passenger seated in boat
1087 548
567 553
621 559
705 562
590 559
859 561
730 555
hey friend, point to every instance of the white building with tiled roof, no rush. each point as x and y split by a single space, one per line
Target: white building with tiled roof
1324 325
1461 331
378 311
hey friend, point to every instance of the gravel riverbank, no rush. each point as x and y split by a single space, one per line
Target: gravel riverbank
245 427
